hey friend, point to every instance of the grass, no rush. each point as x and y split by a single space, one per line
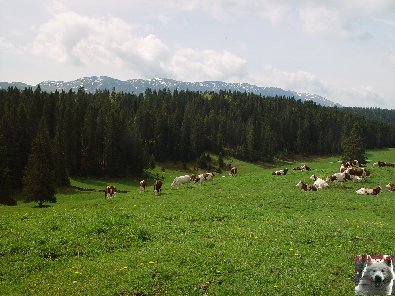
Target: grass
254 234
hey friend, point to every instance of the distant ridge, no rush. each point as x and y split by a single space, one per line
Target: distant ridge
137 86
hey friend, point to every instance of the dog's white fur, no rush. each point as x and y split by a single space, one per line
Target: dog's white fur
377 277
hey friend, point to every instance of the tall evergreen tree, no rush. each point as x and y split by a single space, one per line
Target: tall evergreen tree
39 178
61 176
6 182
354 145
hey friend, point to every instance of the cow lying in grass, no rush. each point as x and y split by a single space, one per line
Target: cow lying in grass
383 164
302 168
338 177
318 182
369 191
280 172
391 187
305 187
358 174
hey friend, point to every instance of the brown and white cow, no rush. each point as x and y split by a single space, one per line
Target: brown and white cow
305 187
110 191
280 172
302 168
357 173
204 177
157 187
390 186
339 177
195 178
143 184
383 164
233 171
369 191
352 163
318 182
348 164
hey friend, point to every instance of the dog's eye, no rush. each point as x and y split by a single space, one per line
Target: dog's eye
382 270
374 270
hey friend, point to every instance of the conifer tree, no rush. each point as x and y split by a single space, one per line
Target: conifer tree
221 162
61 176
354 146
39 178
5 173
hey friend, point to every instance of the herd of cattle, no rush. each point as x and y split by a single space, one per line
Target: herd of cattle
350 170
110 190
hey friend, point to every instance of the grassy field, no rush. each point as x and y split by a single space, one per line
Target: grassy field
254 234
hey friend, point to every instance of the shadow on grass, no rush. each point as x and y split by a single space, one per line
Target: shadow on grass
42 207
91 182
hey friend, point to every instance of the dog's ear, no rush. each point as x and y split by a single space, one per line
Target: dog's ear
388 261
369 259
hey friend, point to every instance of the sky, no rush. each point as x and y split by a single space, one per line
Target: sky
341 50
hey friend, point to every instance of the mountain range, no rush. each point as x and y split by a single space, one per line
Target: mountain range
137 86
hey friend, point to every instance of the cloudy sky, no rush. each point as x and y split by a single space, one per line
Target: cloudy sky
342 50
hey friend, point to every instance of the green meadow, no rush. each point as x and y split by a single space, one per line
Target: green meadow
253 234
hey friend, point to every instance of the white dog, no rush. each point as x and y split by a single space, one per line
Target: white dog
377 277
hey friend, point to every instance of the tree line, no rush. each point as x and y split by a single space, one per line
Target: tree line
378 114
113 134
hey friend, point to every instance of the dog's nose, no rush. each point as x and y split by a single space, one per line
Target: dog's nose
377 278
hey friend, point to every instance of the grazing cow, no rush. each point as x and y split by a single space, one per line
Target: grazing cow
204 177
305 187
391 187
233 171
302 168
339 177
369 191
195 178
208 176
383 164
157 187
280 172
110 191
143 184
318 182
180 180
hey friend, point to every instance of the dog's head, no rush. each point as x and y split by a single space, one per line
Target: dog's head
379 271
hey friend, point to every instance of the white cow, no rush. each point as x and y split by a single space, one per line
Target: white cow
180 180
318 182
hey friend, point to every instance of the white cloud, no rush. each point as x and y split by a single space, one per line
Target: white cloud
392 56
327 17
206 65
301 81
6 44
323 21
361 96
81 41
71 38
